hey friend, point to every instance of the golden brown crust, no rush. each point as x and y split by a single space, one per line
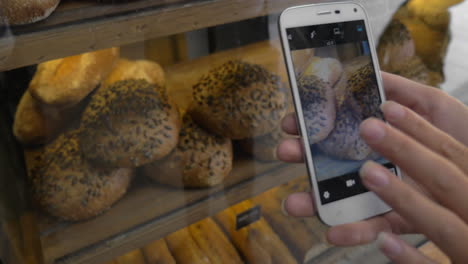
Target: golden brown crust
140 69
157 252
25 12
327 69
201 159
239 100
128 124
69 187
37 124
396 47
34 123
65 82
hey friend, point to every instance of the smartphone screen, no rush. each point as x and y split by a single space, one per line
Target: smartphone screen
338 89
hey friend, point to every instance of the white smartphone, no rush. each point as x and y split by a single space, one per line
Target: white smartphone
336 84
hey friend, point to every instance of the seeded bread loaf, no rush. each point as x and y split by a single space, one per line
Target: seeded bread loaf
128 124
239 100
18 12
396 47
201 159
65 82
67 186
319 107
344 141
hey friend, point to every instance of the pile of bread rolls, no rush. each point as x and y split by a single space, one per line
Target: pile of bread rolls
90 122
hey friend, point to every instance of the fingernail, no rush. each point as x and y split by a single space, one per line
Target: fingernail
389 245
372 130
283 207
393 111
373 175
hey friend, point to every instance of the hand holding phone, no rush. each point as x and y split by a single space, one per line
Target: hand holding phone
336 84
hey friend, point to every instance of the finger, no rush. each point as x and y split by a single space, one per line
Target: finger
289 124
290 150
444 180
398 251
439 224
299 205
418 128
364 232
414 95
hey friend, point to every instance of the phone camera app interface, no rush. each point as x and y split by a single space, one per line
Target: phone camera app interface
338 90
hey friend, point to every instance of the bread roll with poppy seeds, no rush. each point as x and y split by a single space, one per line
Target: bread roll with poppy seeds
129 124
65 82
239 100
19 12
396 47
201 159
67 186
319 107
344 141
365 92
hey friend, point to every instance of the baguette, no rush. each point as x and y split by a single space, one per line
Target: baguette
212 240
184 249
133 257
252 251
158 252
261 231
292 230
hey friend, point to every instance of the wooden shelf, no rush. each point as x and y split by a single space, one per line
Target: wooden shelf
151 211
77 27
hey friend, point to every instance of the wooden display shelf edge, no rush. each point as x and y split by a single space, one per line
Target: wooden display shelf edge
60 36
143 234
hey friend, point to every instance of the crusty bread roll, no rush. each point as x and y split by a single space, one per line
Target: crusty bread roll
128 124
344 142
35 123
365 92
18 12
350 67
65 82
396 47
201 159
140 69
327 69
239 100
69 187
319 107
263 148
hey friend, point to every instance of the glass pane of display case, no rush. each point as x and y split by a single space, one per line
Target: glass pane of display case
146 131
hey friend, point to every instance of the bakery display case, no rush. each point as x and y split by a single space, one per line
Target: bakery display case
146 131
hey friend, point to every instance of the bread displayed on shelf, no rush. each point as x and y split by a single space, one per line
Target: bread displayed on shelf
35 123
296 233
263 148
66 82
17 12
185 249
201 159
132 257
212 240
239 100
157 252
257 242
129 124
67 186
146 70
